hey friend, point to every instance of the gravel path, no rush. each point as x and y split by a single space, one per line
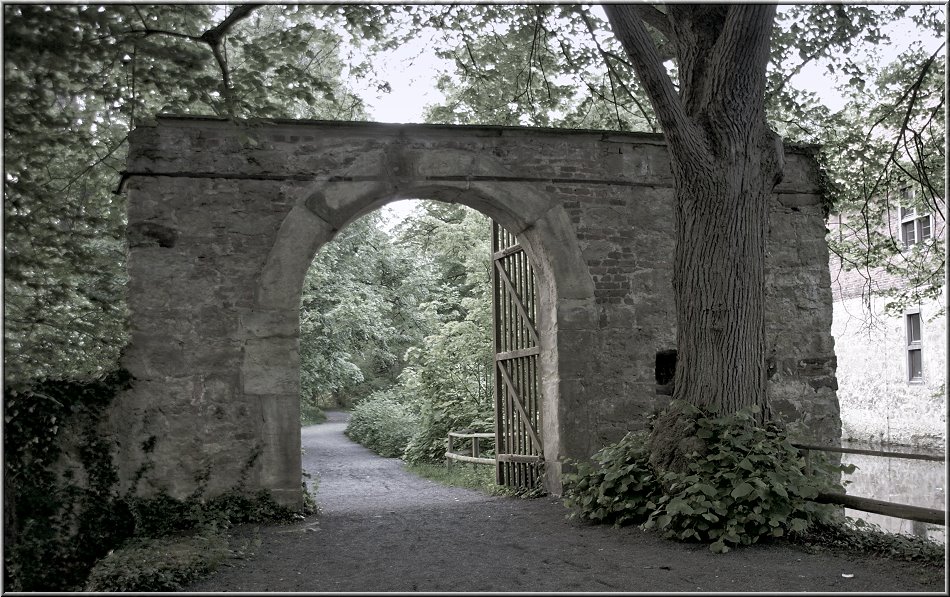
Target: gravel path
382 529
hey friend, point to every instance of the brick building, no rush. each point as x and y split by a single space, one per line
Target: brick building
892 366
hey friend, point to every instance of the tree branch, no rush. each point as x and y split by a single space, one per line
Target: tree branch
656 18
148 31
791 74
648 65
213 38
741 50
911 91
214 35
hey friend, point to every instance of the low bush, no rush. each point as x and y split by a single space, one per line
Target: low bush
178 541
162 515
618 487
382 424
165 564
448 413
311 414
746 483
856 534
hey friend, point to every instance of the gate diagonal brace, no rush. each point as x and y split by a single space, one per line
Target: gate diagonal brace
517 299
516 400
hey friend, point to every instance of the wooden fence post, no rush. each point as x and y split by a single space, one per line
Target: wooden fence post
448 461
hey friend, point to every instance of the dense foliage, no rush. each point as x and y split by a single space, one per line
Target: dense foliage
47 516
62 507
360 311
382 424
399 323
743 483
77 79
448 377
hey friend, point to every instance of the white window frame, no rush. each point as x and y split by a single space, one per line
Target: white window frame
914 345
908 215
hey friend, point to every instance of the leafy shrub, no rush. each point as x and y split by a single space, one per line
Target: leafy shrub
382 424
747 482
446 401
428 443
620 489
750 482
163 515
165 564
311 414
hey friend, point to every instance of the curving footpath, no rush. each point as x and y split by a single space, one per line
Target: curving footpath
380 528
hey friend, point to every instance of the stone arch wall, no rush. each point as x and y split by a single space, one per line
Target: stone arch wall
225 218
317 216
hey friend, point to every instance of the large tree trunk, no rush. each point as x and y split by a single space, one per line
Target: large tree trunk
726 161
719 281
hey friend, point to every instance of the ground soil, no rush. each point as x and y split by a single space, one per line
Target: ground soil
380 528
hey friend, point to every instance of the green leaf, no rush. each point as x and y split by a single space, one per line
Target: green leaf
742 490
719 547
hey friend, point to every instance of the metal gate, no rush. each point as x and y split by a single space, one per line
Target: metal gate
518 452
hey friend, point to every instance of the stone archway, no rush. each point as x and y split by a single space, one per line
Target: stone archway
320 213
225 218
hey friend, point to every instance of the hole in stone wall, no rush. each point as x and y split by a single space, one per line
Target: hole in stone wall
665 366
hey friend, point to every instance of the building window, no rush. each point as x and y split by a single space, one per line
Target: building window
915 227
915 364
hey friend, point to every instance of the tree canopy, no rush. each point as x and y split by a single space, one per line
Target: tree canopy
79 77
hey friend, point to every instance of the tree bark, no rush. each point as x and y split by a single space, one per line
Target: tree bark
726 162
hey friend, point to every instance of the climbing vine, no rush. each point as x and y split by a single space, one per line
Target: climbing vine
55 525
63 512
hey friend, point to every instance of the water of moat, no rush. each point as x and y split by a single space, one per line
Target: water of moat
899 480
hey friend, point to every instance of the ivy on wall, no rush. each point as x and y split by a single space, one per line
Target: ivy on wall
55 524
63 512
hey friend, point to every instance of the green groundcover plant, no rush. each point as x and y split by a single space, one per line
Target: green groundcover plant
744 483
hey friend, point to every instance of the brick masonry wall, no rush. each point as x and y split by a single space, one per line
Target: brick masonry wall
224 219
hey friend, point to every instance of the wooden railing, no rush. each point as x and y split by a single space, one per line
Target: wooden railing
906 511
918 513
451 455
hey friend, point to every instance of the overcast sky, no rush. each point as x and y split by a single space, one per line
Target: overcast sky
414 72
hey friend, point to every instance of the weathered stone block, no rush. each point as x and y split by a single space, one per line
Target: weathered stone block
271 366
